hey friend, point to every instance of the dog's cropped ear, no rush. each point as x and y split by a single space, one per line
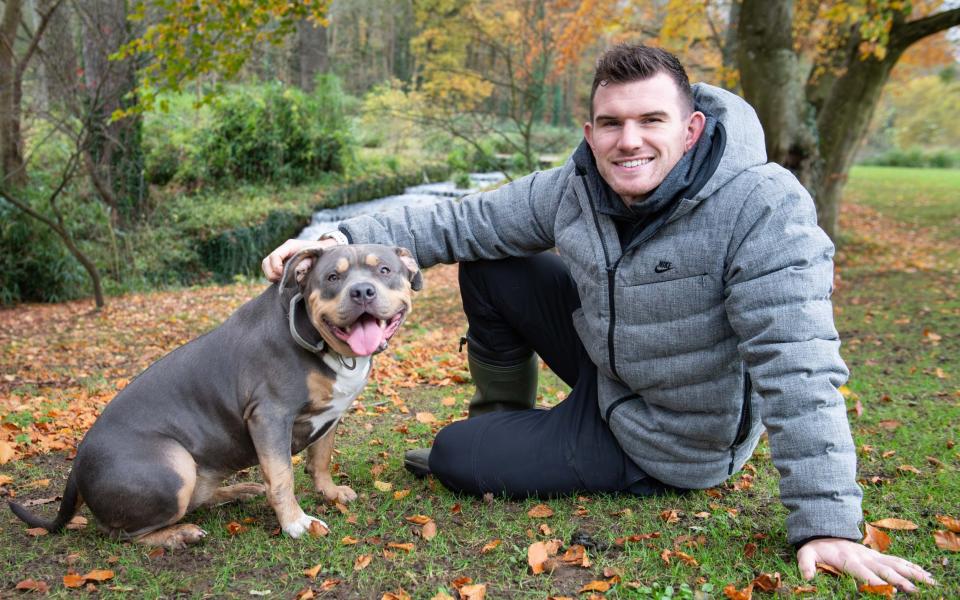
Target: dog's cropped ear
413 270
298 266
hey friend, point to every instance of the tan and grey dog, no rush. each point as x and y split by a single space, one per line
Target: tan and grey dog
273 379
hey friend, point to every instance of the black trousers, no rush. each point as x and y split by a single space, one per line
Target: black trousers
527 303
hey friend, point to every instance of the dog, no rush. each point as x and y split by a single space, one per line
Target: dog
273 379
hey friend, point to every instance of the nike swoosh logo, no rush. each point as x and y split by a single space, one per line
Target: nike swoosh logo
659 269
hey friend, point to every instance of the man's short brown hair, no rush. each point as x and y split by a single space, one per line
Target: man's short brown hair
625 63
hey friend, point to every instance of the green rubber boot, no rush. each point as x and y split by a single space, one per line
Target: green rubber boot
508 382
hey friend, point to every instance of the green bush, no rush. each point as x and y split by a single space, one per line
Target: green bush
916 157
35 266
271 135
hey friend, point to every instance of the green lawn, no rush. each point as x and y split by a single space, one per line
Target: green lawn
901 329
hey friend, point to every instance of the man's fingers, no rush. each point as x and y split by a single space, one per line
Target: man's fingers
807 560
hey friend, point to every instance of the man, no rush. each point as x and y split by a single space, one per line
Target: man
689 308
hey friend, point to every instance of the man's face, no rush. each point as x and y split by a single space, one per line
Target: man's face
640 130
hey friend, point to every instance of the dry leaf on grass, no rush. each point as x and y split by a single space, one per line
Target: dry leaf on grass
876 539
407 547
489 546
670 516
947 540
733 593
595 586
426 418
362 562
898 524
401 494
305 594
429 530
885 590
313 571
473 592
418 519
73 580
950 523
383 486
540 511
765 582
33 585
825 568
318 530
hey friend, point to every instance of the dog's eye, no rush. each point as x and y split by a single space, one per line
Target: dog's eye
384 270
333 277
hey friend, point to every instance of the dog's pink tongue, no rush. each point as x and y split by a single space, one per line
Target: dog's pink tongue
366 336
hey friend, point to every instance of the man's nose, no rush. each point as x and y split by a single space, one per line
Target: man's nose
631 136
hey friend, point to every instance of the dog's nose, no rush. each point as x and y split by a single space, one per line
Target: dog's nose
362 293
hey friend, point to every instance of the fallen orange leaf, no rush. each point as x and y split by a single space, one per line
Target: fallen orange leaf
461 581
766 582
909 469
473 592
407 547
401 494
418 519
670 516
950 523
33 585
595 586
305 594
397 595
899 524
349 541
947 540
540 511
99 575
885 590
876 539
234 528
362 562
426 417
317 530
489 546
805 589
73 580
313 571
734 594
825 568
383 486
429 530
6 455
329 584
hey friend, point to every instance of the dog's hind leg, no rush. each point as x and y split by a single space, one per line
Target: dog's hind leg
139 490
229 493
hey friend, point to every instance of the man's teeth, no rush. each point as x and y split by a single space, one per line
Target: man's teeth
635 163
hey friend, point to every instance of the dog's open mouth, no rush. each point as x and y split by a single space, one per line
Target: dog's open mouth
368 334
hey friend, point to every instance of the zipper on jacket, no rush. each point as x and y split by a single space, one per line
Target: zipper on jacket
618 402
743 427
611 278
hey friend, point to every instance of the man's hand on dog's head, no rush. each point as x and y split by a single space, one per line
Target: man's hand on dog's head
272 265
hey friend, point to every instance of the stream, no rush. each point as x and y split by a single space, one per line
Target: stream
419 195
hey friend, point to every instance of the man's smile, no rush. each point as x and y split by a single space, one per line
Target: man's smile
630 164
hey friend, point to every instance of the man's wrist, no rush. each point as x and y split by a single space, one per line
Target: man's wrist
336 235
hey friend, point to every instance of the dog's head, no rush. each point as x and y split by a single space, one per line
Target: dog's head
357 296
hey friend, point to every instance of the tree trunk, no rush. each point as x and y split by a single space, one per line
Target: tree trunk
814 128
11 143
59 56
114 145
310 54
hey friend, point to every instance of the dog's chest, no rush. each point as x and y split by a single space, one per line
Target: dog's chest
330 398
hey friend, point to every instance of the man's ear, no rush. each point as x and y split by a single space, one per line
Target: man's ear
413 269
695 126
298 266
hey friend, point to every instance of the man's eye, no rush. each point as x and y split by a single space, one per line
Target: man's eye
384 270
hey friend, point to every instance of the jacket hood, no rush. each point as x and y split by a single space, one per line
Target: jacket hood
745 146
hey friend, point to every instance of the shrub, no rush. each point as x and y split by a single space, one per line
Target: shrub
916 157
271 136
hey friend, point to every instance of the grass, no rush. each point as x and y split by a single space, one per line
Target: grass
897 310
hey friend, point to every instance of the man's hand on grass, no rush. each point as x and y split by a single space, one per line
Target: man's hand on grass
866 564
272 265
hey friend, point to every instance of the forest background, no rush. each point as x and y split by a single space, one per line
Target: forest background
173 142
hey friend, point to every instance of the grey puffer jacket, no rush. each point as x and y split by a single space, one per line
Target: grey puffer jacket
716 326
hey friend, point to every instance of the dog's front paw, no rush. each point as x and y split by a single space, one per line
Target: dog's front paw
300 526
338 493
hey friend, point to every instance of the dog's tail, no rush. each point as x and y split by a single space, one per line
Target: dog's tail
68 507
